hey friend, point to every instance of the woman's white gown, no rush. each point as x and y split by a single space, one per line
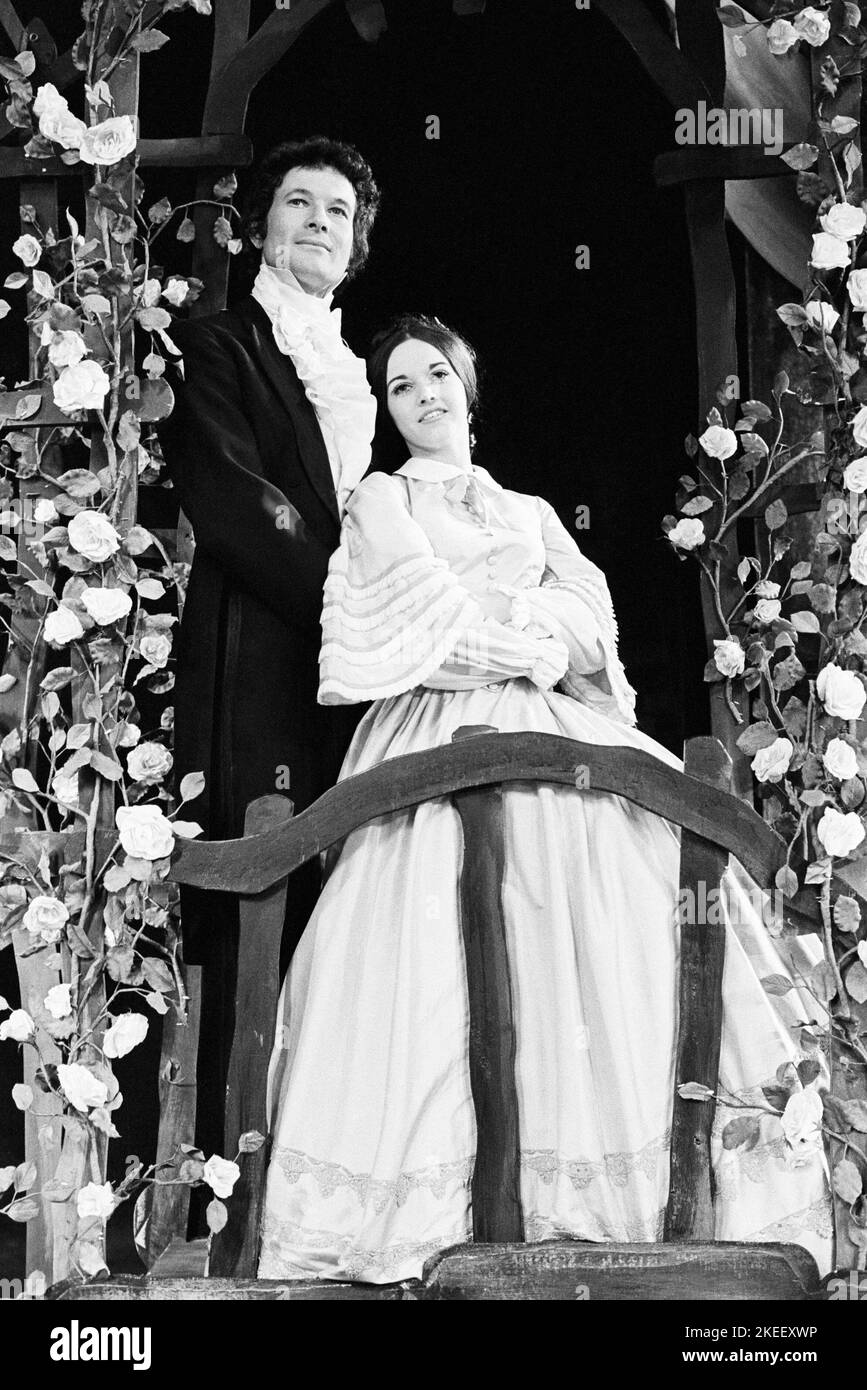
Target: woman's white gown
371 1113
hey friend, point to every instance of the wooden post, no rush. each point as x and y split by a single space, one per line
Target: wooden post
689 1214
235 1250
168 1206
496 1186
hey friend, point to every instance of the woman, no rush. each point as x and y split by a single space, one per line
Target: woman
453 601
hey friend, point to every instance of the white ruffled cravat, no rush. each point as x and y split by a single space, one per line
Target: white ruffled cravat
307 330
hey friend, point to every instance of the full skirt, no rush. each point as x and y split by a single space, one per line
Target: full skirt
372 1121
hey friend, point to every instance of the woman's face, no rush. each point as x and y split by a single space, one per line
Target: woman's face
427 401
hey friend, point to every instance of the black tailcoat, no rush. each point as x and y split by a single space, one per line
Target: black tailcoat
246 454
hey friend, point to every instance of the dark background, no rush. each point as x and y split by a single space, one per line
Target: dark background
549 127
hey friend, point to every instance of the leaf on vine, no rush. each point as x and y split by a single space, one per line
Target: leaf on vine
694 1090
106 767
8 549
24 780
776 515
855 1114
856 982
778 985
793 315
226 187
79 482
808 1070
216 1215
148 42
186 231
846 1180
119 963
813 797
192 785
743 1130
696 505
57 679
787 673
847 914
818 871
755 737
801 156
822 981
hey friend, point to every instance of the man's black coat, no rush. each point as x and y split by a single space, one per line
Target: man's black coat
245 452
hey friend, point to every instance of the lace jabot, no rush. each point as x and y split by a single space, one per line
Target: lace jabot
307 329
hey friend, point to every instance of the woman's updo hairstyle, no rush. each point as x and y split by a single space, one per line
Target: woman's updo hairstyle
455 349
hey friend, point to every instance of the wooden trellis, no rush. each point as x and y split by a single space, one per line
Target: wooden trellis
693 72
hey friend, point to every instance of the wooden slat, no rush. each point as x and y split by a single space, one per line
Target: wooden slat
231 30
570 1271
253 864
235 1250
170 1205
689 1213
12 25
229 90
675 77
182 152
719 162
496 1183
125 1288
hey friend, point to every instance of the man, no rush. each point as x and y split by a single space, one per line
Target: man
270 433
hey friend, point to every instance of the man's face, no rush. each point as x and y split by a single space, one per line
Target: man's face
310 227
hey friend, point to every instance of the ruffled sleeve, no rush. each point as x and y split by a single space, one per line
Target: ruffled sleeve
395 616
573 603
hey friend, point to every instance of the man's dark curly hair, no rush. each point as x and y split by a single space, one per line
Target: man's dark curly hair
316 152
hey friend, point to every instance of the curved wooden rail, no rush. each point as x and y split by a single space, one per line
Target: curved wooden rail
256 862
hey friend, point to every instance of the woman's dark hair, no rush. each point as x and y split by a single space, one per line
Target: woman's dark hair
317 152
457 351
389 450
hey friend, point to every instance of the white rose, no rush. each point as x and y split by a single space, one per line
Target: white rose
82 387
822 316
66 349
857 287
149 762
844 220
687 534
813 25
56 121
176 290
45 917
781 36
719 442
802 1123
125 1033
65 788
58 1001
150 293
45 512
92 535
840 759
221 1174
767 610
839 834
109 141
18 1026
106 605
855 475
829 252
841 692
96 1200
82 1089
156 647
772 763
859 426
62 626
766 588
145 833
728 657
27 249
858 559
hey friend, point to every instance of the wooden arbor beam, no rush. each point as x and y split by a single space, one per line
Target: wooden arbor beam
696 72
